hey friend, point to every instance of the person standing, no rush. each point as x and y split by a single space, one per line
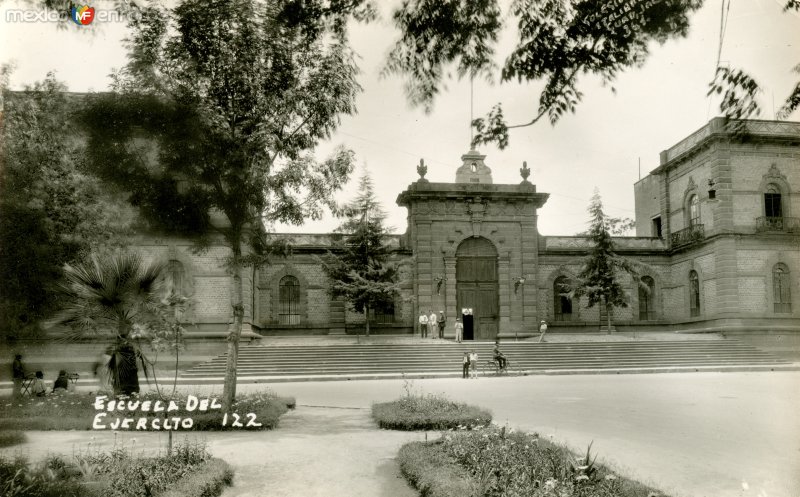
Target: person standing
473 362
465 366
459 330
423 324
441 321
542 330
432 323
101 370
18 374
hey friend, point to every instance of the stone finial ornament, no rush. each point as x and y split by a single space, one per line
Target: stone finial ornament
524 171
422 169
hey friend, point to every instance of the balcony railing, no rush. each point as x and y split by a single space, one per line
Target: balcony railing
782 224
687 236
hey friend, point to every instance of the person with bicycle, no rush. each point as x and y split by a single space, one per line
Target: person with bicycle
498 356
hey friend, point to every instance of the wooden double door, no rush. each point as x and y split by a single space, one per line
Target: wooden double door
476 286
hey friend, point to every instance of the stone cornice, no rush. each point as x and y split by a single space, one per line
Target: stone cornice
721 128
464 191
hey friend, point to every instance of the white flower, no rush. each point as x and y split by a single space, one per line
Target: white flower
611 477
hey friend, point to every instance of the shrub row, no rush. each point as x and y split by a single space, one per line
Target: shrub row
500 463
429 412
76 412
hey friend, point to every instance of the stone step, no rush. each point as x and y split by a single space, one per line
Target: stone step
381 359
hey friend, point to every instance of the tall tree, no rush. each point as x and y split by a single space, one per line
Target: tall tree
51 210
218 111
599 276
361 271
559 42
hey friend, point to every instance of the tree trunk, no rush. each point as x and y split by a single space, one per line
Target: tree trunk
234 334
366 320
608 315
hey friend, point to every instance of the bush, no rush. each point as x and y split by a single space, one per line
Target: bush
48 479
125 475
501 463
429 412
188 471
11 437
431 472
208 480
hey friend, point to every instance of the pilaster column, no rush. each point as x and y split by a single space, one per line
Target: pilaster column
503 280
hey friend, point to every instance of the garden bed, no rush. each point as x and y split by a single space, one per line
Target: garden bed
494 462
428 412
77 412
189 471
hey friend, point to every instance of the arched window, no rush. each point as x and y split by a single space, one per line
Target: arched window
694 210
781 288
562 304
647 310
289 301
694 294
176 275
772 201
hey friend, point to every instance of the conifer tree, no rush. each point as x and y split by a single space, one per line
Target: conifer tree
362 273
598 279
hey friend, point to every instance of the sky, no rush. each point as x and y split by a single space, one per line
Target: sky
611 141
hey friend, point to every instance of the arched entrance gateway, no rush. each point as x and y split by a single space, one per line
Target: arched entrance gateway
476 285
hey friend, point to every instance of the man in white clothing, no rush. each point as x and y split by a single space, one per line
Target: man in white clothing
423 324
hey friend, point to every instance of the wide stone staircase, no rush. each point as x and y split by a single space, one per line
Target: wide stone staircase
442 359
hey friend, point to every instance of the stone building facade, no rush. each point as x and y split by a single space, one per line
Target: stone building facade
716 224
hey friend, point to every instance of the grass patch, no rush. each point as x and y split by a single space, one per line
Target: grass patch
428 412
9 438
495 462
77 412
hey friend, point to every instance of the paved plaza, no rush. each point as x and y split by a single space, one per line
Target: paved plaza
689 434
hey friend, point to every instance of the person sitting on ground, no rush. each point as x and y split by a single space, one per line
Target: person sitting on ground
37 385
61 384
498 356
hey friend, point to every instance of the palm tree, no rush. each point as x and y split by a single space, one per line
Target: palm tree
112 295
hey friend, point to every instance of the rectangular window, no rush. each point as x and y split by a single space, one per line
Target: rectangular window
382 316
772 205
657 227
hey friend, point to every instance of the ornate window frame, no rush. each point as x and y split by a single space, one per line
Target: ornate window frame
275 304
781 278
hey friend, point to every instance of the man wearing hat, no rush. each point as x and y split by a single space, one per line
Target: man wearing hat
441 321
542 330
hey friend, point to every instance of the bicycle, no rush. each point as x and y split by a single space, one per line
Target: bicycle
492 366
